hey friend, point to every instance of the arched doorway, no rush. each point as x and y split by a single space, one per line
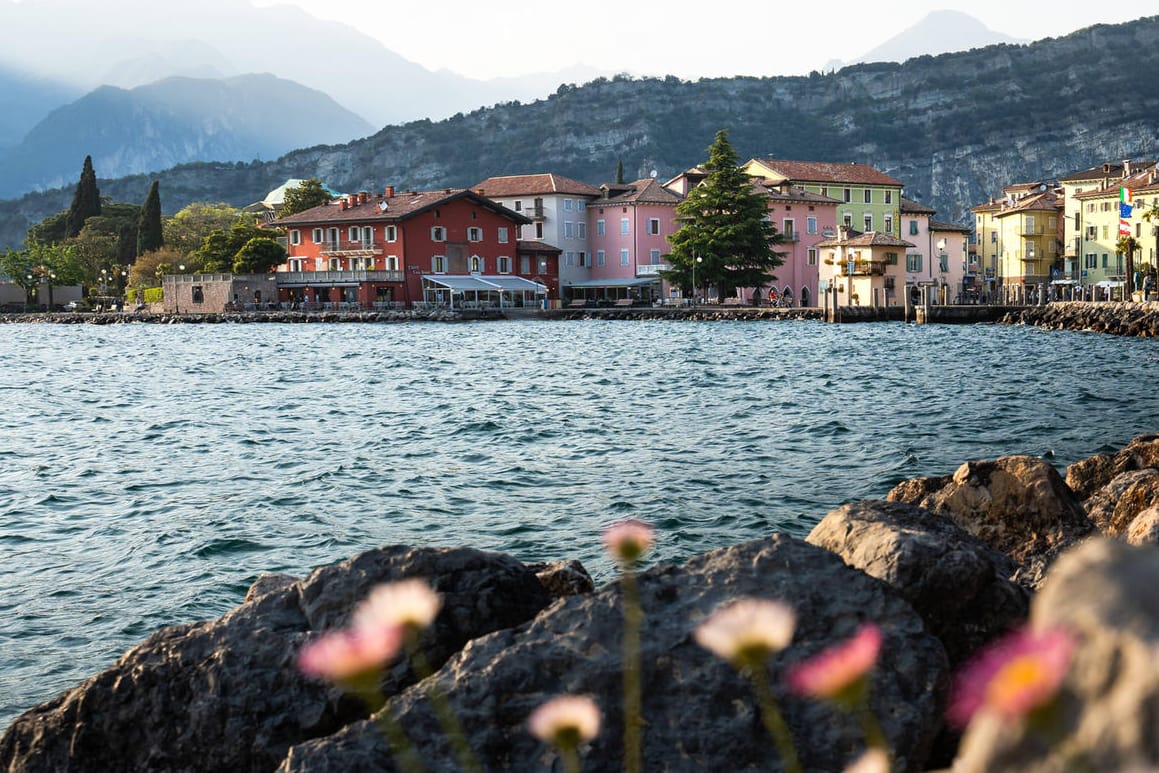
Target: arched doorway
805 296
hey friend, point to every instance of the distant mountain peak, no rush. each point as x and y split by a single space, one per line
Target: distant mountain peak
940 32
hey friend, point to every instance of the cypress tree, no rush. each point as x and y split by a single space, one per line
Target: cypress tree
149 235
86 200
620 172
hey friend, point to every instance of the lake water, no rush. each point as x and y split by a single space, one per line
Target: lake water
149 473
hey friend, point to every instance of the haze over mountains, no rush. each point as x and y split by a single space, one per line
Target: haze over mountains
141 103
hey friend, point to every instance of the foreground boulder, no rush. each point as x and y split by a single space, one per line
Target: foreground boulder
699 714
1109 701
1087 476
957 583
1019 505
227 696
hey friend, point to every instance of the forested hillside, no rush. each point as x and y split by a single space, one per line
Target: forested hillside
954 128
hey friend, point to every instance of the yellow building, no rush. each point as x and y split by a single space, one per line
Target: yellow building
1019 241
1103 265
867 269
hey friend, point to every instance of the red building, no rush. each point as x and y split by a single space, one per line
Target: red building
400 249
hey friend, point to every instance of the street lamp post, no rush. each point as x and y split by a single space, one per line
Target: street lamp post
696 261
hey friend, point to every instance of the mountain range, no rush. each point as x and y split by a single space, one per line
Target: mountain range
955 128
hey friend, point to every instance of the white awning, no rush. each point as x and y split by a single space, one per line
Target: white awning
626 282
485 283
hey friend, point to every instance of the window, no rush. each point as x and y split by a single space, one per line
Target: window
474 234
625 228
581 230
601 258
391 233
354 234
198 294
913 228
568 229
1028 224
367 236
316 236
1106 234
583 259
888 196
1091 260
1104 260
1092 233
787 229
502 235
889 224
944 262
868 196
539 230
891 258
439 264
913 262
476 264
868 218
580 205
295 265
811 224
569 258
438 233
824 190
335 264
568 204
655 255
654 225
524 264
295 236
518 206
847 194
601 228
625 257
392 263
504 264
812 259
847 220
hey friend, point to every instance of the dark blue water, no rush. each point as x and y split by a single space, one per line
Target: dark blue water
149 473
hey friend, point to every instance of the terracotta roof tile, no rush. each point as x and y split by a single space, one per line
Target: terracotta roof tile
911 207
794 194
645 191
828 172
867 239
937 225
534 246
534 185
378 208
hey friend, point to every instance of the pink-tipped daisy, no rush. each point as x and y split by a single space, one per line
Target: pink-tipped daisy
1013 676
343 655
838 669
565 721
747 631
408 603
628 541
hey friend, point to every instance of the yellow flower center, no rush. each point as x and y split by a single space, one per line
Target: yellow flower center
1014 684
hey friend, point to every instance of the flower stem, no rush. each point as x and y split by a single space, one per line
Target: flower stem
774 722
571 760
408 760
874 735
633 712
443 709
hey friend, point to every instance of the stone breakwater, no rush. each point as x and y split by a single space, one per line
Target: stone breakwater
1115 318
943 565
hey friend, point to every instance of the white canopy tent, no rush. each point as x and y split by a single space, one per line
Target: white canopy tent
481 291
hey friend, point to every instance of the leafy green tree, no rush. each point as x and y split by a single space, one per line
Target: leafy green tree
51 230
41 266
311 193
151 266
149 234
120 221
258 255
220 247
186 230
86 200
725 236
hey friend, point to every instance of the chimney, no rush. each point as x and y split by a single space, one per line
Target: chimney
1126 167
480 192
389 191
362 197
345 203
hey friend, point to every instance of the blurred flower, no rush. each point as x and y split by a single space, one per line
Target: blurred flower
840 669
627 541
1013 676
342 655
408 603
748 630
873 761
566 720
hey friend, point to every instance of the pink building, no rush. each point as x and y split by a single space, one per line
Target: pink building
804 219
629 225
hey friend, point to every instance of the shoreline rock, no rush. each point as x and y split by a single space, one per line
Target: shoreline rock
945 567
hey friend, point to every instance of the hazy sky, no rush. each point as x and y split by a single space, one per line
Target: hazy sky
683 38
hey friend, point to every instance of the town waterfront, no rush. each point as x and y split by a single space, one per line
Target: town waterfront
149 473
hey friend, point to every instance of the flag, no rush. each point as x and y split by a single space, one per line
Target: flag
1126 207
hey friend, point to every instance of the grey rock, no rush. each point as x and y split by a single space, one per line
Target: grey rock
1019 505
957 583
1087 476
563 578
227 695
699 713
1115 505
1108 704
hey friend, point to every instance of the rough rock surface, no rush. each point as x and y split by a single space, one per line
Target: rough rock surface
1144 530
563 578
1116 318
1019 505
227 696
957 583
1115 505
699 713
1109 701
1087 476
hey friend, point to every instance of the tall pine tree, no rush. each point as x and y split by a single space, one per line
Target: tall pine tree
149 235
86 200
725 236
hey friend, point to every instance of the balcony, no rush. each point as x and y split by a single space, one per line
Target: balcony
866 268
652 269
349 249
790 236
335 278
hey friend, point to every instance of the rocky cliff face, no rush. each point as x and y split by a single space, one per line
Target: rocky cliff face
954 128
